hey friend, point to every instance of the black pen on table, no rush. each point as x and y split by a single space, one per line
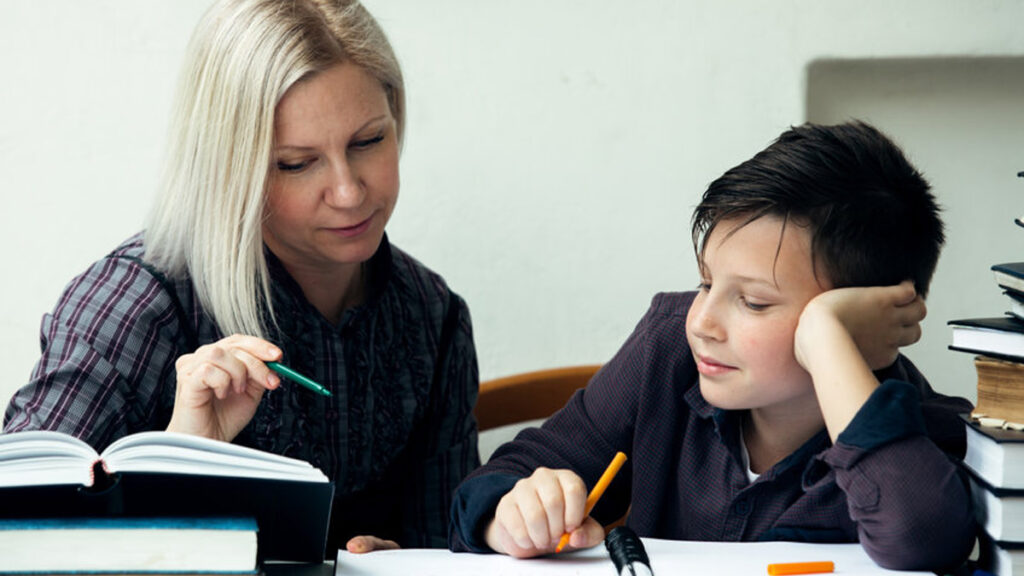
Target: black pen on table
298 378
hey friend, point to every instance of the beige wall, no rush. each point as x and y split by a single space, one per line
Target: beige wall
555 147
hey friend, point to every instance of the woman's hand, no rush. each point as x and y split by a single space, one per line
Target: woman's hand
532 517
220 386
364 544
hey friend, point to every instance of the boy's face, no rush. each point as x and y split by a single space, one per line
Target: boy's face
754 287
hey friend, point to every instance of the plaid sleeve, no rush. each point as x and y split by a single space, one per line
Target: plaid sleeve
108 352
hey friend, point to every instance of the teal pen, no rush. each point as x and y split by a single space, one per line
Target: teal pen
299 378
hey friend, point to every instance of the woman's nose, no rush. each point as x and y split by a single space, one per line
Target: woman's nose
345 189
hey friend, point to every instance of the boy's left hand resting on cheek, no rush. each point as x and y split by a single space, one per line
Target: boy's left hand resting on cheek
880 319
844 334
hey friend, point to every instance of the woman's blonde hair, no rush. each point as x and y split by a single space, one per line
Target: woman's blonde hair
244 55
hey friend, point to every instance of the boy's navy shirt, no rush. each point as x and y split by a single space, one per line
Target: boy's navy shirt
891 481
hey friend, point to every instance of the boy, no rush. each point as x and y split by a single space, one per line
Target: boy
772 404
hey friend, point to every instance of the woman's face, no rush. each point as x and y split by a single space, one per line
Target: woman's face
334 172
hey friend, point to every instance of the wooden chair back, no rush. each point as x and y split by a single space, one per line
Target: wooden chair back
529 395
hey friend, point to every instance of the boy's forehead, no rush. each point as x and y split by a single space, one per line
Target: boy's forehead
767 246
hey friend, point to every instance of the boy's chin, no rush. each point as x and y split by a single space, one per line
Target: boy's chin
723 396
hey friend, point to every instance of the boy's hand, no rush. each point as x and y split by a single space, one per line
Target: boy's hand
845 334
879 319
532 517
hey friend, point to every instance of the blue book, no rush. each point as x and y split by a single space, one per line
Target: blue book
138 545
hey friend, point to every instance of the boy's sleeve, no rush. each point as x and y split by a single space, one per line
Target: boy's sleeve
583 436
908 497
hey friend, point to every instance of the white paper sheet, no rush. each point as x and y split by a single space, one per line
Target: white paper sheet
668 557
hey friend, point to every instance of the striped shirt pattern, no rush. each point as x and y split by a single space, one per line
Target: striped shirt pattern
393 444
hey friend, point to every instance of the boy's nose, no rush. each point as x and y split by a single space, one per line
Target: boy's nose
704 320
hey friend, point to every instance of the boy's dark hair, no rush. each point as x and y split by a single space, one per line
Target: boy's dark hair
871 216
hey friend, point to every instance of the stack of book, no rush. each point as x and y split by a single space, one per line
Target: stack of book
999 345
995 429
995 459
155 502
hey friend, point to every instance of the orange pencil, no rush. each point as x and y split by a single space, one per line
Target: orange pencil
598 490
788 568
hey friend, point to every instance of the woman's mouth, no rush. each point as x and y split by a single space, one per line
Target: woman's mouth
355 230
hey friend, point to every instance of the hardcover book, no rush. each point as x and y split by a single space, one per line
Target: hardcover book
1000 389
1010 275
1000 558
1016 303
999 511
995 455
137 545
45 474
1002 337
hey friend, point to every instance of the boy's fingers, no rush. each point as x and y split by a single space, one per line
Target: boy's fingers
536 519
574 493
511 520
589 534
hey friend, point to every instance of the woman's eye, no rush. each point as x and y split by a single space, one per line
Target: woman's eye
367 142
293 166
704 286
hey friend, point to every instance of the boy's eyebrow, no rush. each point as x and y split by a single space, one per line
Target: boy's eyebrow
752 280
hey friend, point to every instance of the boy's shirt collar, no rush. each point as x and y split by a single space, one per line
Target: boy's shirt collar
727 427
727 422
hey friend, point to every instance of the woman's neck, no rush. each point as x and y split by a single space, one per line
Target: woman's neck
331 291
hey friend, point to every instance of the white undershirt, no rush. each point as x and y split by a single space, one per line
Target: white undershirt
751 475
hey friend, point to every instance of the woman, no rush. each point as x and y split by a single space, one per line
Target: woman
267 243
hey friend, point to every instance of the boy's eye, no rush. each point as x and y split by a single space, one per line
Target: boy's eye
704 286
754 306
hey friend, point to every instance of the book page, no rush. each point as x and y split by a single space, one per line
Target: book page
667 557
174 453
44 457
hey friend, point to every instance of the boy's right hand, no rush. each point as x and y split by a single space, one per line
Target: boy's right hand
532 517
221 384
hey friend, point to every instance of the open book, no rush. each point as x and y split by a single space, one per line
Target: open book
45 474
47 457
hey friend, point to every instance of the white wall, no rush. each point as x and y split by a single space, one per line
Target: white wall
555 147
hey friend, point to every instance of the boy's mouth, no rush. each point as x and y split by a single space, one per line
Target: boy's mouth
708 366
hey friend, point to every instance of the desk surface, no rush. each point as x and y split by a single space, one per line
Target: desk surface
667 557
